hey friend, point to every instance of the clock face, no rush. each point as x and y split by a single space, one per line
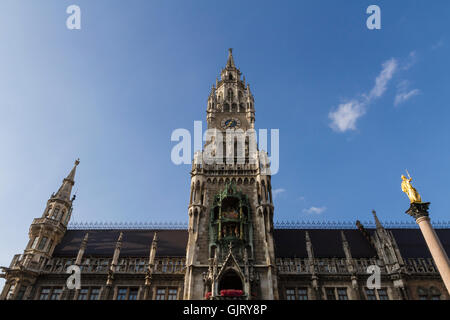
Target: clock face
230 123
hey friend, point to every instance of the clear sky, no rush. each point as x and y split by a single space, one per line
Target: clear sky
355 107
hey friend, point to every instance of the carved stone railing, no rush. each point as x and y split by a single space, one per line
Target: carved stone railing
324 266
124 265
51 221
293 266
420 265
170 265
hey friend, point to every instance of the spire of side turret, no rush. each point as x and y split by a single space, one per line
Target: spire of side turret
66 188
230 61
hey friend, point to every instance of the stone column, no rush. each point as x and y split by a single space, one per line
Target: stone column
420 212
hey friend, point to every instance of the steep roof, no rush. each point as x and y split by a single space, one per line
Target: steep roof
327 243
412 244
135 243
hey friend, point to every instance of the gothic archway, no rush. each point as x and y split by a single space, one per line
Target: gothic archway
230 280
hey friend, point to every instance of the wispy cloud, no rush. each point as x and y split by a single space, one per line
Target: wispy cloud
315 210
381 82
410 60
403 92
438 44
277 192
346 115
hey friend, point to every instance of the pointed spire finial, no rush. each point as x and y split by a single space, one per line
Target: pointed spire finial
66 188
71 176
230 62
377 222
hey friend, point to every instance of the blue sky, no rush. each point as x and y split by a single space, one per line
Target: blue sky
113 92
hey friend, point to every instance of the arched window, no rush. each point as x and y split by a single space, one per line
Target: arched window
230 280
56 212
435 294
213 251
230 94
422 293
63 212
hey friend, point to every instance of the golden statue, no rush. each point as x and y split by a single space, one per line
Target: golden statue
410 191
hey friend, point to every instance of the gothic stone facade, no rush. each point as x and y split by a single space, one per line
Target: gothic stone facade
230 242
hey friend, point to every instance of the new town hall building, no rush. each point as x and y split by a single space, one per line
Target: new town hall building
229 245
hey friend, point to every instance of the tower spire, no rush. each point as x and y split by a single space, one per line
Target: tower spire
66 188
230 61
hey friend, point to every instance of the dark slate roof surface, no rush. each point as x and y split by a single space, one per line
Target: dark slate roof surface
412 244
135 243
327 243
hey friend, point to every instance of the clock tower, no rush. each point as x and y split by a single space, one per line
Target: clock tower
230 250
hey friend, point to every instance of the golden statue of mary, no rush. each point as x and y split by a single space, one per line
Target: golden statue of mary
410 191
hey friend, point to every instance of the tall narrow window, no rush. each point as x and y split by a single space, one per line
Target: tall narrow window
63 212
35 242
43 243
331 295
50 245
55 213
21 293
95 294
290 294
370 294
422 294
382 294
83 294
160 294
302 294
56 294
133 294
122 294
44 294
11 290
172 294
342 293
435 294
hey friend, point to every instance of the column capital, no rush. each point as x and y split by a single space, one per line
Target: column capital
418 210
